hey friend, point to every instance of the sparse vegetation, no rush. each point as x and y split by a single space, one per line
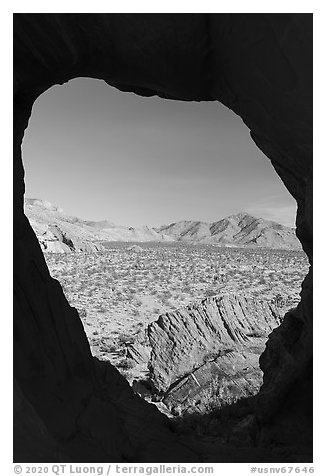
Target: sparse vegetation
119 291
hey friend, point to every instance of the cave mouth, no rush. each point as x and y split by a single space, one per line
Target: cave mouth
67 404
117 302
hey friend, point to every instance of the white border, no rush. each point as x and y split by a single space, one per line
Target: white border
318 9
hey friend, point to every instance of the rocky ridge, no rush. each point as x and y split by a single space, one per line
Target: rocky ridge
218 339
60 233
239 230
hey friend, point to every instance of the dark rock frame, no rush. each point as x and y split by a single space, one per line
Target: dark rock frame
68 406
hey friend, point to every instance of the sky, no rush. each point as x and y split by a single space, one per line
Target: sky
99 153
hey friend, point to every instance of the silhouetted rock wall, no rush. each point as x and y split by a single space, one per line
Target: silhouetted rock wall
259 65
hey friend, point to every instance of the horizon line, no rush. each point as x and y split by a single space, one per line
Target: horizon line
243 212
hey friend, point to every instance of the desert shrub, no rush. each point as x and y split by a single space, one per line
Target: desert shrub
210 292
126 339
186 289
278 300
82 313
126 364
108 347
126 374
166 302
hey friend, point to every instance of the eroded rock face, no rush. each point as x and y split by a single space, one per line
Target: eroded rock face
61 233
181 339
217 339
259 65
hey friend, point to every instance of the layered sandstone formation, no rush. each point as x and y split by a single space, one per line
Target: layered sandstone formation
217 339
58 232
259 65
181 339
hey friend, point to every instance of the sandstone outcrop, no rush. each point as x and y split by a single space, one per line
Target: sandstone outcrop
219 338
258 65
57 232
60 233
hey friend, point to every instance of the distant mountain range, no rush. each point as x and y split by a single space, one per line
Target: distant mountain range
58 232
237 230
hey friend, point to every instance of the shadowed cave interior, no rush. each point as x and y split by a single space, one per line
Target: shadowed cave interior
67 405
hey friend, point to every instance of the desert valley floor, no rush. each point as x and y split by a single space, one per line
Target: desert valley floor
120 291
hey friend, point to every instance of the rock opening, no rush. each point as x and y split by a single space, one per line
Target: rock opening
69 406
